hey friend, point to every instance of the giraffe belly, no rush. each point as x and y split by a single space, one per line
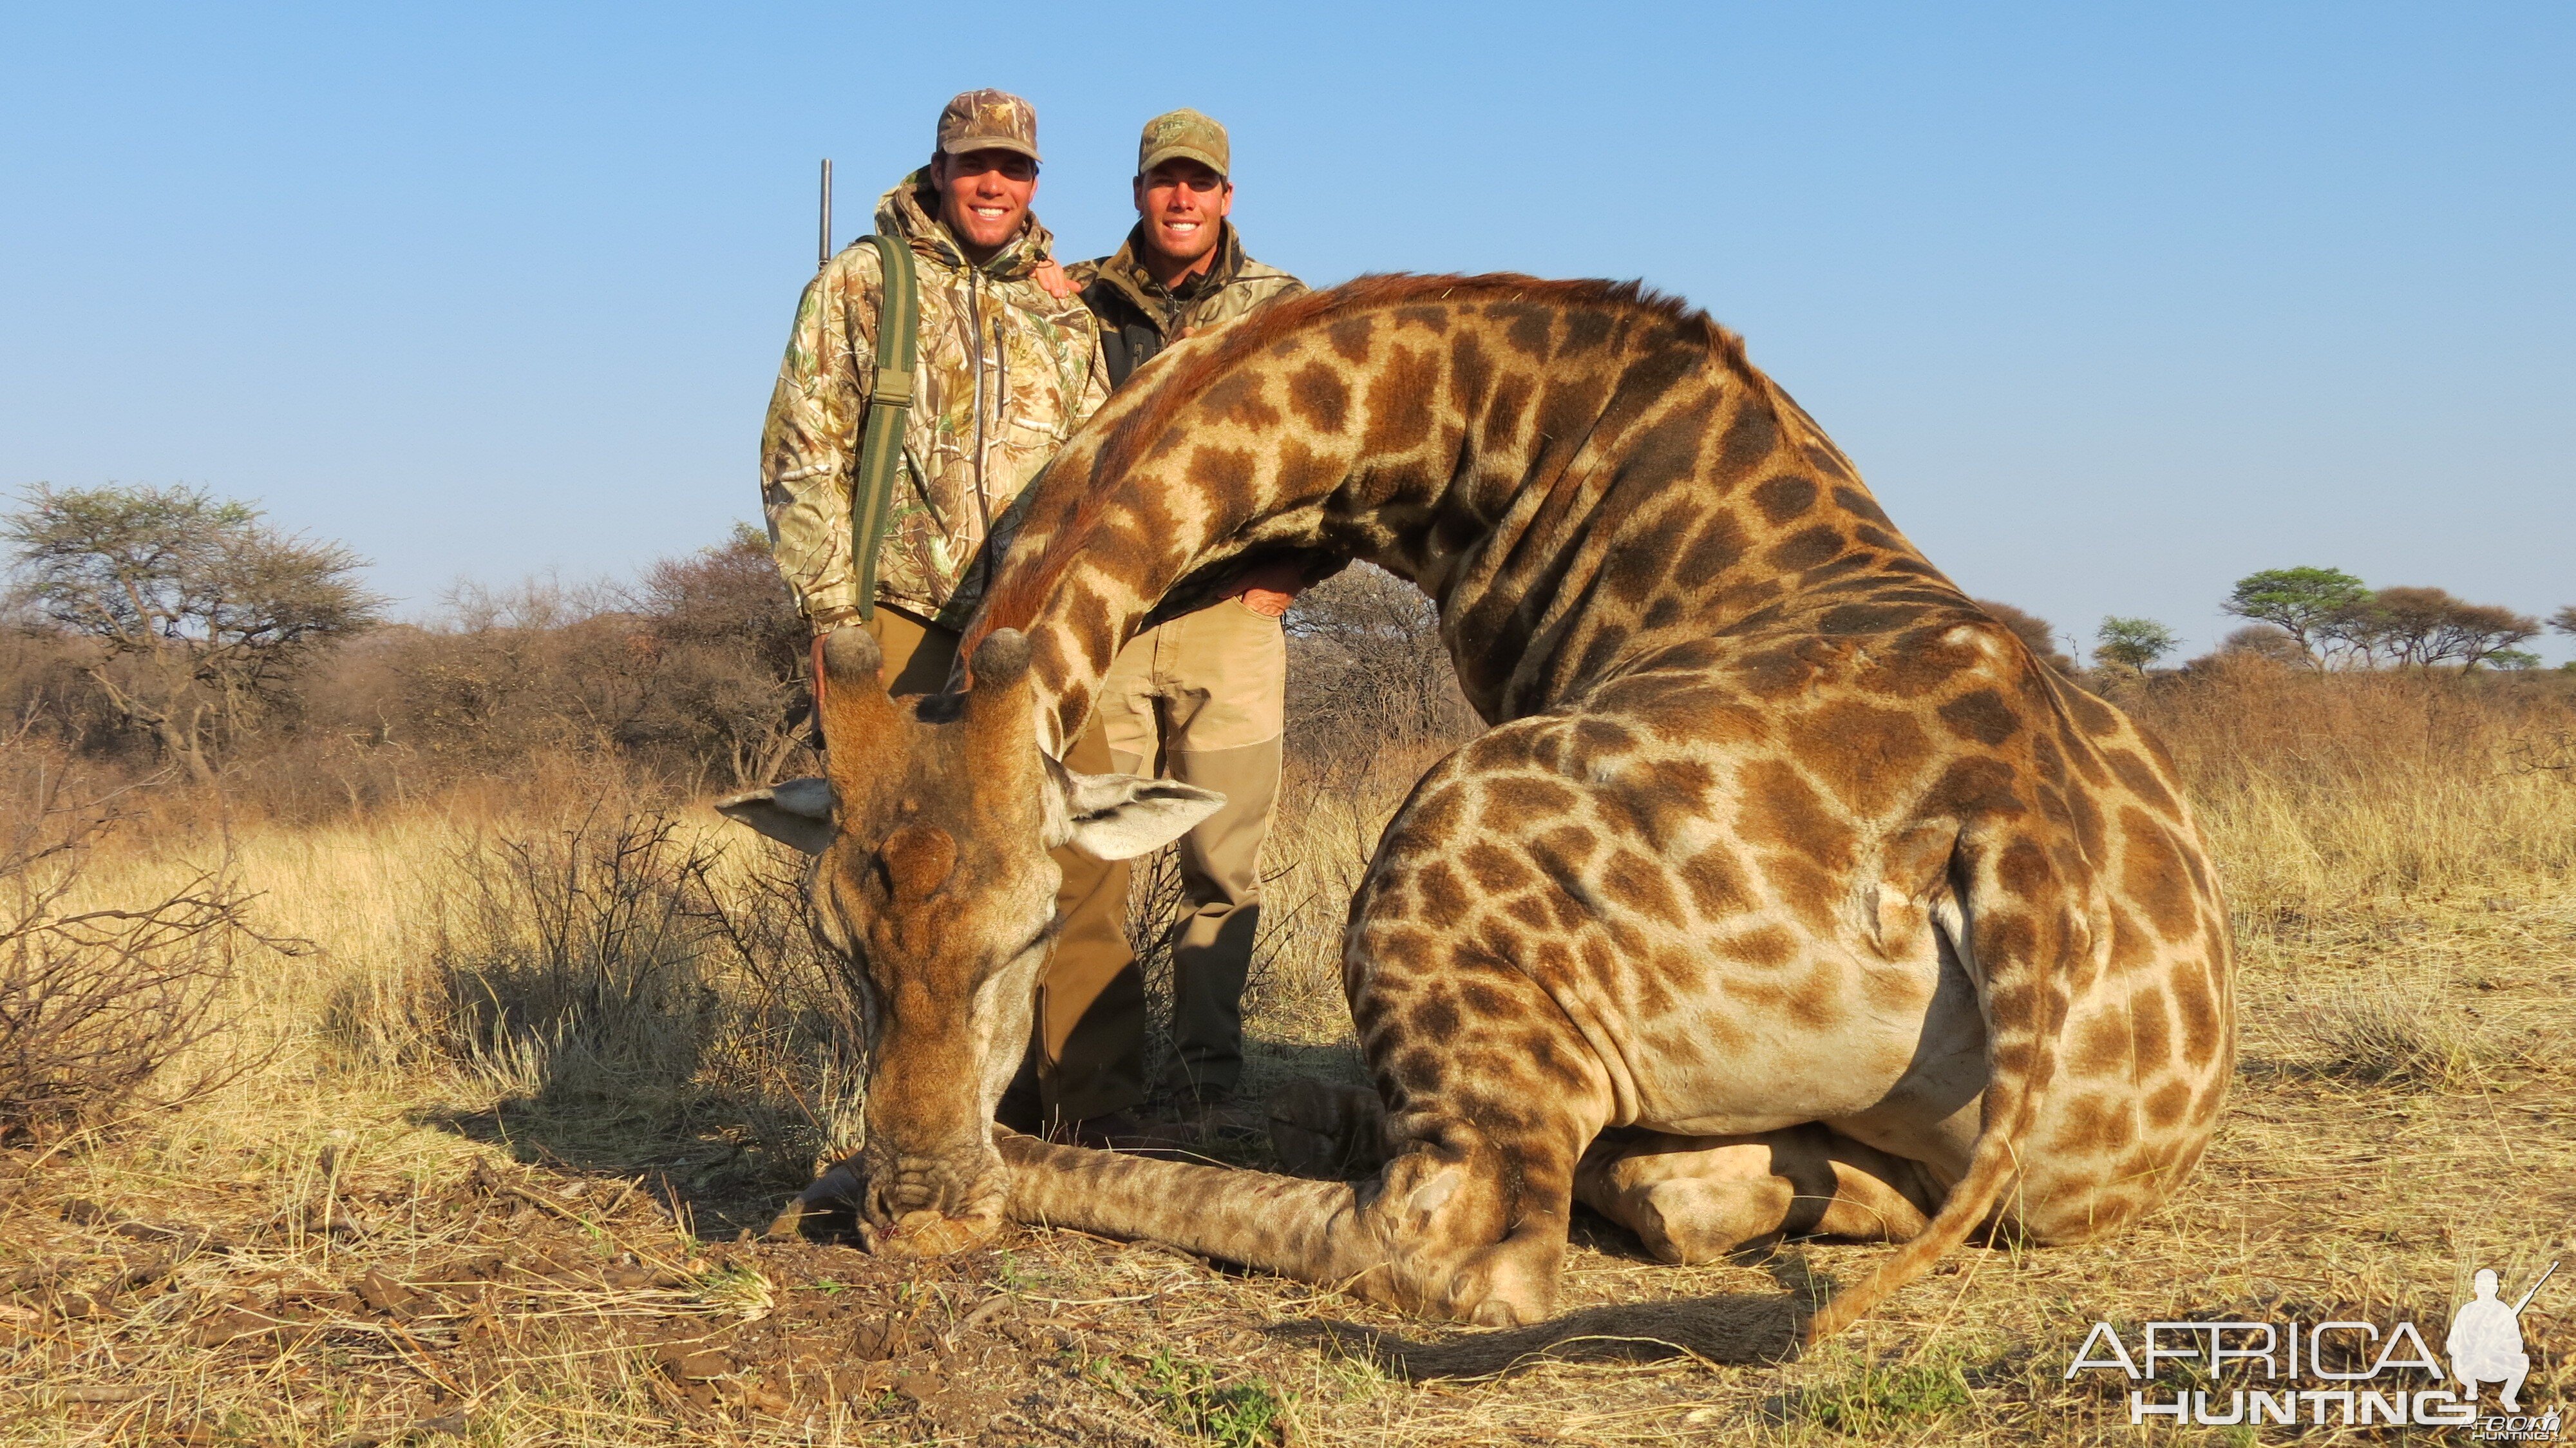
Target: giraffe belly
1889 1052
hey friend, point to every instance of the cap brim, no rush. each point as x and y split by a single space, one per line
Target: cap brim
1181 153
965 144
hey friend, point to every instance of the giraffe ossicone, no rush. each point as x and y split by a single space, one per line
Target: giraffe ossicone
1788 893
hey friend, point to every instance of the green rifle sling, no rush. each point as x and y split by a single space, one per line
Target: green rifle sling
889 407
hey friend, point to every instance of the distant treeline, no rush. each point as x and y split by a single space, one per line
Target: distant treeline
163 629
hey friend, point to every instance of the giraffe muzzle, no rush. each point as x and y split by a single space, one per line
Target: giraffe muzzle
928 1206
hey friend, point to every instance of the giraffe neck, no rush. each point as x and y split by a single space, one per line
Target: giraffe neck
1575 473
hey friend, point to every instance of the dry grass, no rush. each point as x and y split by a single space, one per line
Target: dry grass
2322 792
2393 1033
489 1182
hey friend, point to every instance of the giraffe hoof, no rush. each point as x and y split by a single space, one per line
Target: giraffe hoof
1494 1312
1679 1223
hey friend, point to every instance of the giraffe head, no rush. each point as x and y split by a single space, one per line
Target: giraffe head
932 880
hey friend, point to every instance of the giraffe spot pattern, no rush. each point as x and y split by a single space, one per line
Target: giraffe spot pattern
1400 399
1785 497
1320 398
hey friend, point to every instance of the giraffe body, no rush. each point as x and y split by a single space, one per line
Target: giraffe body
1789 891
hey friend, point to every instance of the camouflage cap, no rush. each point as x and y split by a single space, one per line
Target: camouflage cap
994 120
1185 135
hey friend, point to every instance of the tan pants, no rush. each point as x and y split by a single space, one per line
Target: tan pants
1201 699
1088 1050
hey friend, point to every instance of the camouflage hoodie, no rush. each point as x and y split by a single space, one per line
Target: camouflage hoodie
1139 316
1006 373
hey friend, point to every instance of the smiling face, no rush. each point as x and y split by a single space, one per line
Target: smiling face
1182 203
984 197
932 883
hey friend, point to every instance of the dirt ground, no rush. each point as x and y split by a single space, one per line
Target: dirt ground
375 1271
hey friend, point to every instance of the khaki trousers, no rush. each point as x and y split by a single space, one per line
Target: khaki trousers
1201 699
1087 1050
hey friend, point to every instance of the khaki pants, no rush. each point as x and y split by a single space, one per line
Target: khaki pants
1088 1050
1201 699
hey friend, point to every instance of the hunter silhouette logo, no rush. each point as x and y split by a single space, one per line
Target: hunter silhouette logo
2486 1340
2392 1378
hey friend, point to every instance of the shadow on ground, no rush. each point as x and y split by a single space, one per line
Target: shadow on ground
1735 1328
1270 1062
697 1162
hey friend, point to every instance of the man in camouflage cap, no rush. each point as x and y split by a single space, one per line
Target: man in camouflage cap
1183 268
1200 697
1007 370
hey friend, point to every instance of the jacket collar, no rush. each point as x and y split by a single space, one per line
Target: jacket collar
1124 272
911 211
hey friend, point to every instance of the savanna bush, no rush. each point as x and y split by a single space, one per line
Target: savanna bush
108 1008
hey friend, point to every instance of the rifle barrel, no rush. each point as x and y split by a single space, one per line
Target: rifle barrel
823 237
2534 1292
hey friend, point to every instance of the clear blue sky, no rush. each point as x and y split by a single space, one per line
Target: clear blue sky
2111 303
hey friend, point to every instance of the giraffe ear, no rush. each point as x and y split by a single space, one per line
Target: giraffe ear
798 812
1119 816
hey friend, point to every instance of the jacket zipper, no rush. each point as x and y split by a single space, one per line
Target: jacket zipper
975 338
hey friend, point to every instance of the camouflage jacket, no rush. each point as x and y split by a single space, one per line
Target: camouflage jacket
1139 316
1006 373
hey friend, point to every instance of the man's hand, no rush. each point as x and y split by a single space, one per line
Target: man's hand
1050 275
823 626
1270 588
1267 602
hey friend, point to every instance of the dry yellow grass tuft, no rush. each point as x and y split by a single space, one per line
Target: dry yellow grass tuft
549 1059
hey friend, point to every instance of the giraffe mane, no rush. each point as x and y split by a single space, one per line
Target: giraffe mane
1025 589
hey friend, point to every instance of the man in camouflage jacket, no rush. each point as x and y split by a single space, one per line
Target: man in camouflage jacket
1182 198
1200 697
1007 370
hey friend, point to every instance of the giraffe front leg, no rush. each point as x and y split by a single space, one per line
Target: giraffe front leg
1478 1222
1448 1228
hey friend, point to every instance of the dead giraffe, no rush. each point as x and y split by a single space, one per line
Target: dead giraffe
1788 893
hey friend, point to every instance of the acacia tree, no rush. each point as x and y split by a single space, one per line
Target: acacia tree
2301 602
2132 643
2423 627
202 612
2564 620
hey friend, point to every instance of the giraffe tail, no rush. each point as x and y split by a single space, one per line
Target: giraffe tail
2021 1047
1990 1170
